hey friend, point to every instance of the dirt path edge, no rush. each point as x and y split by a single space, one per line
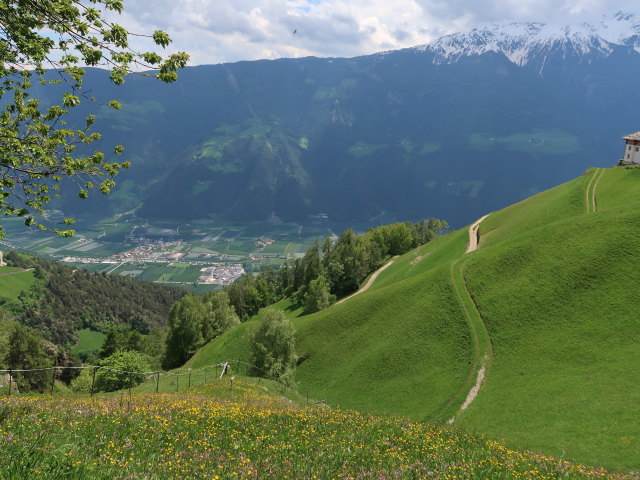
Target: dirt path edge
370 282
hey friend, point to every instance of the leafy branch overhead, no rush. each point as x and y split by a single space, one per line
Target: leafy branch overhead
49 42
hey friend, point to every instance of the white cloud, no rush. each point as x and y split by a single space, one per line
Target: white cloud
214 31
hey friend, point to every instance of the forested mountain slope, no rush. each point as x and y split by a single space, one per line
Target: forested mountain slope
469 124
63 300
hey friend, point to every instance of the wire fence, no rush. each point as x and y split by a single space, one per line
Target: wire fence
158 381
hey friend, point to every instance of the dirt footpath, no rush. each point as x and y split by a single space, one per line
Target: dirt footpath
474 236
371 280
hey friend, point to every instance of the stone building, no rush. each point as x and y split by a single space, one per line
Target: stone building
631 149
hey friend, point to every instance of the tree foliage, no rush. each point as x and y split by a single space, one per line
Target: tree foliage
332 269
122 370
185 330
251 293
220 316
193 321
26 352
273 347
318 297
38 149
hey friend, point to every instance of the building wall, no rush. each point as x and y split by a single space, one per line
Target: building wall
631 152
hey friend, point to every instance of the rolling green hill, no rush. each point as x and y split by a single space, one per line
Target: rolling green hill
546 308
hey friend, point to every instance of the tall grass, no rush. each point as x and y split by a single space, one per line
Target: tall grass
216 433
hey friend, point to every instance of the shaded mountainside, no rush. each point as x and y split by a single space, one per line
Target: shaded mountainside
63 300
554 284
393 136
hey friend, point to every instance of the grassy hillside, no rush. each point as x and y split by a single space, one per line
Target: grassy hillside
11 284
559 301
88 341
405 349
547 306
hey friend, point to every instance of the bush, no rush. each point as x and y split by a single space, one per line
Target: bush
273 347
124 371
82 383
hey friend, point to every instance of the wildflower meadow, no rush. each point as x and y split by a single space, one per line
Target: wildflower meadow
214 432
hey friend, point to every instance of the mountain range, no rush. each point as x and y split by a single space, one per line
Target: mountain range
467 124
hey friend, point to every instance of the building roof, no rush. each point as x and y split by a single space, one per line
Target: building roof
632 136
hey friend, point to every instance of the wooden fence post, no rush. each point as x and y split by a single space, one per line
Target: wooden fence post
130 382
53 379
93 380
10 381
157 381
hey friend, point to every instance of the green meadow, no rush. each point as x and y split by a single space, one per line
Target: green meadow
88 341
12 285
245 431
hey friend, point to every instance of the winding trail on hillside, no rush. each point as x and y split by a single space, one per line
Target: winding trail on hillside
371 280
590 194
482 347
474 235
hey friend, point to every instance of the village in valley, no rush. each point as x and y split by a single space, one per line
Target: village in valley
200 256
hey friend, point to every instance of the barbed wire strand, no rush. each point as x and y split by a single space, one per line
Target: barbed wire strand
154 373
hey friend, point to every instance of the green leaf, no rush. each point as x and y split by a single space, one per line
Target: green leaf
69 100
161 38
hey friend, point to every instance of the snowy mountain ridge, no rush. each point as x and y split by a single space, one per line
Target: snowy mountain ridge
522 42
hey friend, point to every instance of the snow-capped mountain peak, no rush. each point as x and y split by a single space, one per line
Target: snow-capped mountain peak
520 42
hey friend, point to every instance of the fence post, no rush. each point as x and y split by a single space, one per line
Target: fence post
93 380
157 381
189 377
10 381
53 379
130 382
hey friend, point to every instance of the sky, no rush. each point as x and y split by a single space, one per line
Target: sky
217 31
